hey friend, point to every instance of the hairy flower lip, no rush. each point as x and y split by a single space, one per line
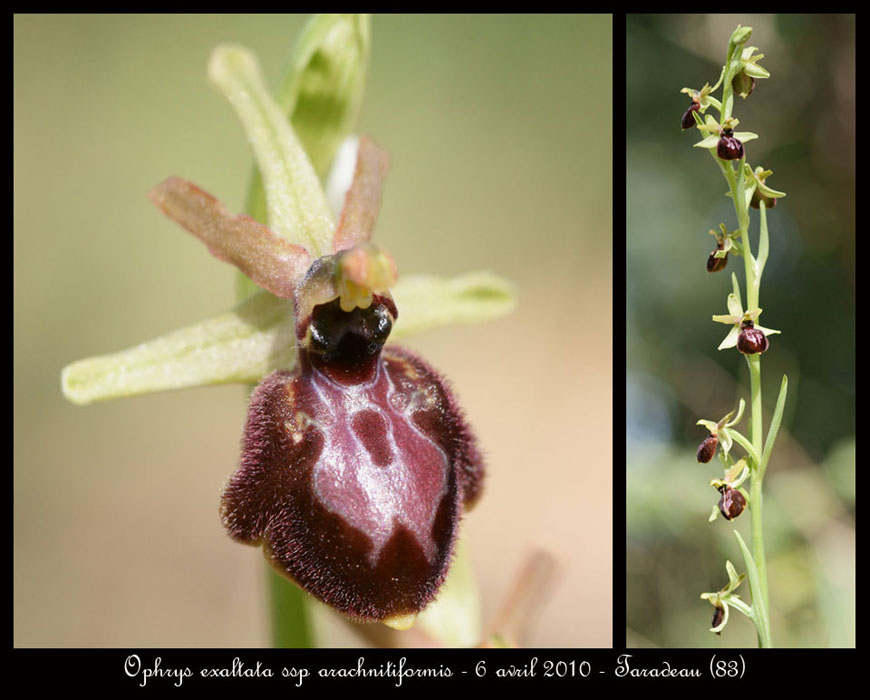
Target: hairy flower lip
688 120
313 528
729 146
707 449
731 503
751 340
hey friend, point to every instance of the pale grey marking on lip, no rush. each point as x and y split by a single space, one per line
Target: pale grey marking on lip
379 484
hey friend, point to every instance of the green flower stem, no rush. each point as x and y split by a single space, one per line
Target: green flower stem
736 182
291 618
743 183
756 477
716 87
741 606
727 94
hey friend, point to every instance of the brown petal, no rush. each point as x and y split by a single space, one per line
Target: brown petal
269 260
363 200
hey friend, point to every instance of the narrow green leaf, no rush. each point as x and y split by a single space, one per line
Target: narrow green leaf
761 623
296 204
763 241
426 301
775 422
245 345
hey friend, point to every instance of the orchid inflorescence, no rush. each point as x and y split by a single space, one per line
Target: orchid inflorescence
747 188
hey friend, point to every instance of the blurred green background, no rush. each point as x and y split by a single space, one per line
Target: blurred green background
499 131
805 116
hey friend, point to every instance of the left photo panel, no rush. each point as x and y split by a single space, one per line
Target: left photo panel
313 337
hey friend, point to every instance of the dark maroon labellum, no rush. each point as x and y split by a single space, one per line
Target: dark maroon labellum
355 468
718 614
731 503
707 449
715 264
688 119
729 147
751 340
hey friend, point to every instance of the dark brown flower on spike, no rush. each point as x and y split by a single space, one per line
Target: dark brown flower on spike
715 264
743 84
757 198
769 202
751 340
688 119
729 146
731 503
718 614
707 449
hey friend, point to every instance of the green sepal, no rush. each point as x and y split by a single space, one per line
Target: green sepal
427 301
296 204
730 340
258 337
322 94
243 346
710 425
709 142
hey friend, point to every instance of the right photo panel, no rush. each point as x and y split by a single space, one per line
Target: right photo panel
740 328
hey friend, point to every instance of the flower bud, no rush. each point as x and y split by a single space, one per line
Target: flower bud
689 120
729 147
707 449
743 84
715 264
751 340
741 35
731 503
